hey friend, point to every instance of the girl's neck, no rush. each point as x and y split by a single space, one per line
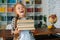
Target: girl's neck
22 17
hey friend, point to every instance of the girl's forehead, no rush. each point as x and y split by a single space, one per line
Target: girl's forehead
19 5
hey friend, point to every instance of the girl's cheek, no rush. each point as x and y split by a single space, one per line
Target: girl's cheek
17 11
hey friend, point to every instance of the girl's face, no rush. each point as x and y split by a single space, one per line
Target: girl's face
20 10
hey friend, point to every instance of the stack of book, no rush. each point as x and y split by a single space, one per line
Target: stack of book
25 25
29 9
3 18
2 9
38 9
38 1
9 9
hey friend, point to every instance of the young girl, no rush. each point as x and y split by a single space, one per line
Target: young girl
20 12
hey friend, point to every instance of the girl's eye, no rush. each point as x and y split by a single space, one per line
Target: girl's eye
22 7
18 8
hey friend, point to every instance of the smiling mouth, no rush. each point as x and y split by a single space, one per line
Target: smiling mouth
22 12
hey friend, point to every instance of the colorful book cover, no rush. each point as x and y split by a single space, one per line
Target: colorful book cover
11 1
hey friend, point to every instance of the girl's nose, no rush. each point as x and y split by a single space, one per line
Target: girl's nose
21 9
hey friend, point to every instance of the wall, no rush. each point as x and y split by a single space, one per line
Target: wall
52 7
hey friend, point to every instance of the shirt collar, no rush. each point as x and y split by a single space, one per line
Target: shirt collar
22 18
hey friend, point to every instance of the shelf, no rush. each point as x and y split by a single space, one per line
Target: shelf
9 22
34 13
27 12
38 5
3 3
39 12
3 22
3 14
11 14
11 3
30 14
30 5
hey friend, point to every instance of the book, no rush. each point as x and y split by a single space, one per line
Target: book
11 1
9 9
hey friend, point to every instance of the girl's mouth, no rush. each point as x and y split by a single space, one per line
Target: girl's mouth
22 12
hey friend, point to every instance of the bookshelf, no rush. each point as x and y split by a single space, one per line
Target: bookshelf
7 12
29 6
34 11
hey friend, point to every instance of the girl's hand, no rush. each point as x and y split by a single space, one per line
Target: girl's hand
16 31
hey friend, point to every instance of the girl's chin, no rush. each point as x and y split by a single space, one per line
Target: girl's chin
21 16
22 13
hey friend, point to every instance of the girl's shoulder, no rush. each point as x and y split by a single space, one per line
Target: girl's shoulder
9 26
